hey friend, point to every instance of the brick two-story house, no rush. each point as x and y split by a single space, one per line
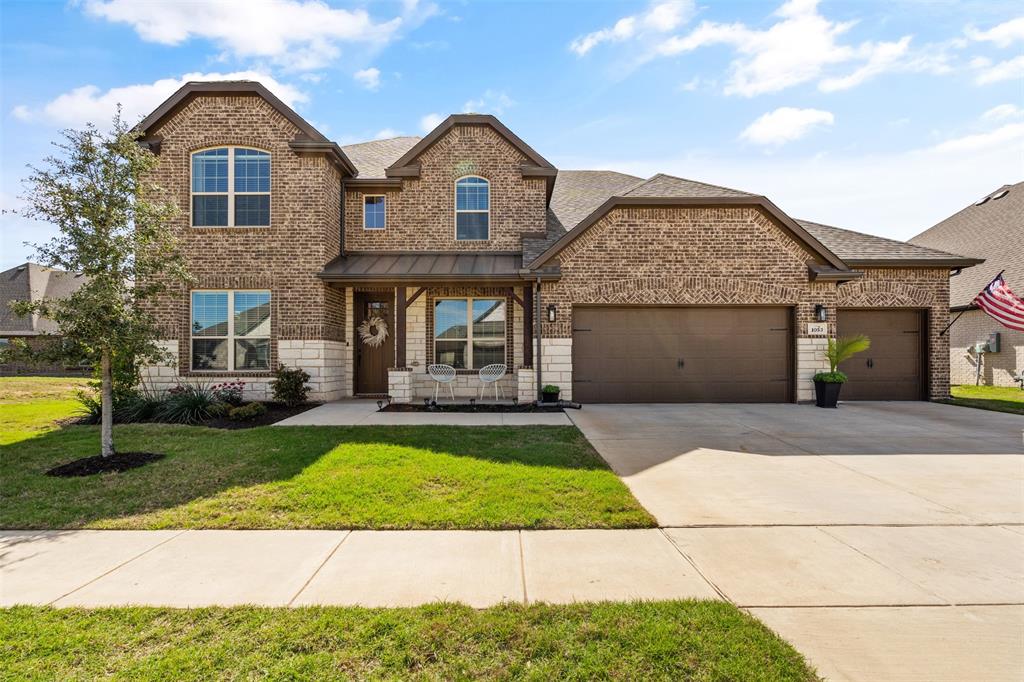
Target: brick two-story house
474 249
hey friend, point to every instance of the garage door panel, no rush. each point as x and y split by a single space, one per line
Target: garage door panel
632 354
891 369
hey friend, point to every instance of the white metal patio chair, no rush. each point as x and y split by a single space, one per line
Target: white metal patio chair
442 374
491 374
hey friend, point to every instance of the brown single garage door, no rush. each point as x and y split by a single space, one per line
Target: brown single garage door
671 355
892 369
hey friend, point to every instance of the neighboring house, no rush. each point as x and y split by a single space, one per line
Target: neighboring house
32 282
991 228
473 247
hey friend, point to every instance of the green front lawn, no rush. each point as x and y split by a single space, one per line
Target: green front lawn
656 640
999 398
32 405
309 477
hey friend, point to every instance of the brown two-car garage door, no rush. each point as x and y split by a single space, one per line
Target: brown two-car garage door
674 354
892 369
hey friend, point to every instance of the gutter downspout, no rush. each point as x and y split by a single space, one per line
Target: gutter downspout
537 354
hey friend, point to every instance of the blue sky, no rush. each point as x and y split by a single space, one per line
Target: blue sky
883 117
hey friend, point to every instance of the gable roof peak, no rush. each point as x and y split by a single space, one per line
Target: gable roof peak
308 140
467 119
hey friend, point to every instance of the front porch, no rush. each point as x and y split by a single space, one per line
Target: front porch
364 412
466 311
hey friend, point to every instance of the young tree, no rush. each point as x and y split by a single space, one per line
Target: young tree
114 229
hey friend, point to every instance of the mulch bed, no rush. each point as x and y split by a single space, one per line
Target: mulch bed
275 412
485 407
98 464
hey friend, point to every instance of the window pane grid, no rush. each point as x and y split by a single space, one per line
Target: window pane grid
241 340
469 333
472 208
373 212
231 188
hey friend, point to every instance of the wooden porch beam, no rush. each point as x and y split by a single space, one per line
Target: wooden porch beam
527 304
412 299
400 306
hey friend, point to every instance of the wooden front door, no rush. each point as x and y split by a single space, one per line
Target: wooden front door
372 363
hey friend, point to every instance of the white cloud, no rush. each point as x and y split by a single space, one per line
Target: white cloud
660 17
690 85
22 113
386 133
1002 35
993 139
896 194
1002 112
801 46
431 121
1011 69
89 103
298 34
491 102
786 124
881 58
368 78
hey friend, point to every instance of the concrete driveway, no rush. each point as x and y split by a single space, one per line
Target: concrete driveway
885 540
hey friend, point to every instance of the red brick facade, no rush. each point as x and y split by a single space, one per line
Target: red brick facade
421 217
304 231
647 255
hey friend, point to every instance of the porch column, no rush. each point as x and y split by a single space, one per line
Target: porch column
400 306
528 326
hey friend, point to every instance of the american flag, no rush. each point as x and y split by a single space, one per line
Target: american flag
1002 304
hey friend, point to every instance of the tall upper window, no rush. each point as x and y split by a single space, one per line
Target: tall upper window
469 333
373 212
231 330
230 188
472 208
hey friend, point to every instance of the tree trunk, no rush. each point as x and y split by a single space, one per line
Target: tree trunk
106 406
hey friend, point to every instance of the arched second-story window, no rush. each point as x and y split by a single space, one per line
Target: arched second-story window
472 208
230 187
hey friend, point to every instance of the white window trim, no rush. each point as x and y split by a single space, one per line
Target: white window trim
231 193
371 196
231 330
455 197
469 328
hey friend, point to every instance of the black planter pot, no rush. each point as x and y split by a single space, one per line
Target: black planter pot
826 393
549 397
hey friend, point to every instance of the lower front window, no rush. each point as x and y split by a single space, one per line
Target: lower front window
230 330
469 333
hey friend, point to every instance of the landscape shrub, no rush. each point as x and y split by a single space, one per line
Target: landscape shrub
245 413
229 392
189 404
289 385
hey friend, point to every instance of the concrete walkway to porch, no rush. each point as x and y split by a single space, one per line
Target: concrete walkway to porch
363 412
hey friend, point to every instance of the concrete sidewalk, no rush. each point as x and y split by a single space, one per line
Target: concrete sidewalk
364 412
368 568
863 603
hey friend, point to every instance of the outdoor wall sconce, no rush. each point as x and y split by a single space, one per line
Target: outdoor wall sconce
552 312
820 313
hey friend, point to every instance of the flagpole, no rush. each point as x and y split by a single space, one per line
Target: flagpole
943 332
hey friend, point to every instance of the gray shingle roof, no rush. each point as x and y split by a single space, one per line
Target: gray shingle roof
662 185
993 231
371 158
578 192
33 282
857 246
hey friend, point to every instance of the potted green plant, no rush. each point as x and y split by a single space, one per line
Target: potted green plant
549 393
827 384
